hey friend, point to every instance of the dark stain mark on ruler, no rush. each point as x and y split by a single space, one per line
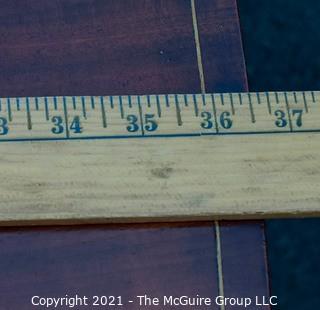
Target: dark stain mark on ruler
162 173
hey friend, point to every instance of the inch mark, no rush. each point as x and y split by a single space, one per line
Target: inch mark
103 113
65 116
178 111
295 97
253 119
214 113
288 110
140 114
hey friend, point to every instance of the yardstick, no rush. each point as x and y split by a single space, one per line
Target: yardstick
84 159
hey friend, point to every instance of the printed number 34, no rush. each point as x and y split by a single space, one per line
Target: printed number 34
59 125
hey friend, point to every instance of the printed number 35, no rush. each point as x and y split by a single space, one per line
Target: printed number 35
149 123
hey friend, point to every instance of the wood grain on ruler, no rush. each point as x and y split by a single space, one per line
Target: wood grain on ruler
140 165
50 49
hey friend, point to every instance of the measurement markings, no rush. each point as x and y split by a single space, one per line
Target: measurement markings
253 120
178 111
103 113
28 114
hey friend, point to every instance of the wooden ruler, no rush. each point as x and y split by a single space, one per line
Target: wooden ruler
159 157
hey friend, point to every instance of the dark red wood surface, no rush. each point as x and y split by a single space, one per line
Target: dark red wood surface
84 47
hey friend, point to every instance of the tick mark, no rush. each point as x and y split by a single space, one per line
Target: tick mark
196 110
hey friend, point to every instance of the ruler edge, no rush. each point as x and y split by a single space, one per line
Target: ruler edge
78 221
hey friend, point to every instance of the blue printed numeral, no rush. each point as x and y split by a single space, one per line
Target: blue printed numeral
59 126
4 129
